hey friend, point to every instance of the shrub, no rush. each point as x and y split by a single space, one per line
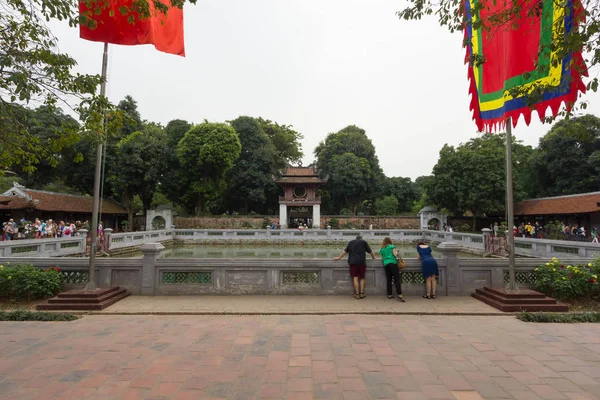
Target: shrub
559 317
246 225
24 315
26 282
345 211
334 223
566 282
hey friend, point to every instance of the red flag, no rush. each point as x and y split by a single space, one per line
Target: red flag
165 32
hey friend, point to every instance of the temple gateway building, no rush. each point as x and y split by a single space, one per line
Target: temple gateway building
300 204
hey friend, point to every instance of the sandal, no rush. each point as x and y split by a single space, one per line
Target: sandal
426 296
390 297
362 296
401 299
433 296
356 296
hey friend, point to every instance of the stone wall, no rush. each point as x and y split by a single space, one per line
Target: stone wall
255 222
224 222
363 222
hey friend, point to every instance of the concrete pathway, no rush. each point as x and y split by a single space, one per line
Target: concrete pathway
298 357
463 305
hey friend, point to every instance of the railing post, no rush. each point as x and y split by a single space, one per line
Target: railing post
486 239
84 233
107 233
450 252
151 252
328 231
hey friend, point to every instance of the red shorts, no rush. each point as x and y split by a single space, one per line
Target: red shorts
357 270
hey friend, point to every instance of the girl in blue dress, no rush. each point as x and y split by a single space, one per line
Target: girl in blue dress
429 269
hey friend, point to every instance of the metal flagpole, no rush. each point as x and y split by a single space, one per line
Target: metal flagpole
512 281
91 284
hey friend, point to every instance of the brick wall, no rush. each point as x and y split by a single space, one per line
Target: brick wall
255 222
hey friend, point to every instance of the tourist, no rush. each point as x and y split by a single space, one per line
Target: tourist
495 228
429 269
357 250
522 230
515 231
389 257
594 235
529 229
538 230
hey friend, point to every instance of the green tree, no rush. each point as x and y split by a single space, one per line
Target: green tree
502 18
132 121
206 153
471 177
403 190
32 69
352 140
253 171
566 160
141 161
349 176
387 205
285 140
174 183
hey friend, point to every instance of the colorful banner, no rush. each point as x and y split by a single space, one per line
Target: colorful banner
165 32
512 52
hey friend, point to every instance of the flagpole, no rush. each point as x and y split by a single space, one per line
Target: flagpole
91 284
510 236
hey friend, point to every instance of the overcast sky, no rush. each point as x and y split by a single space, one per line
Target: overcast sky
318 65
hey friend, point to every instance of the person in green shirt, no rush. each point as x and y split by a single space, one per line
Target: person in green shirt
389 255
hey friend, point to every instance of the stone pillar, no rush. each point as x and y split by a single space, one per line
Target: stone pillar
151 252
487 234
86 246
283 216
328 231
453 279
316 216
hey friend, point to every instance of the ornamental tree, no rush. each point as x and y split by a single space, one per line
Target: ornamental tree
206 153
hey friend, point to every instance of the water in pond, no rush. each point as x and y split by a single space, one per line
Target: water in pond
283 251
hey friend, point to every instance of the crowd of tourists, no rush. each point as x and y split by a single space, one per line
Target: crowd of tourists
357 251
41 229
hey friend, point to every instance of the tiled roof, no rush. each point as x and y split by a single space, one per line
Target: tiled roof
301 179
300 171
51 201
573 204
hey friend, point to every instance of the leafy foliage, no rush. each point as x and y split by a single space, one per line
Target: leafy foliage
471 176
387 205
348 158
25 315
567 282
206 153
252 173
34 71
561 318
285 140
567 160
26 282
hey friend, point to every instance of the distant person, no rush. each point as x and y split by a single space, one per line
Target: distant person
538 230
594 235
495 228
429 268
389 257
357 250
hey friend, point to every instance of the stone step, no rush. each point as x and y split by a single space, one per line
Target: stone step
79 306
522 293
558 307
80 293
91 300
515 300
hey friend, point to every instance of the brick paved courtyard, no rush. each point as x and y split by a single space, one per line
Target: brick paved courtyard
299 357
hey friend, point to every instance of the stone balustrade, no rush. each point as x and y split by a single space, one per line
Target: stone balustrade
152 275
544 248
